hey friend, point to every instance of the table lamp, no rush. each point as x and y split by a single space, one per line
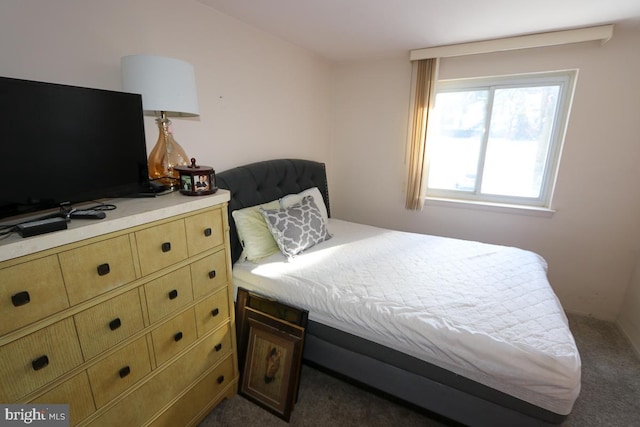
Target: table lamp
168 88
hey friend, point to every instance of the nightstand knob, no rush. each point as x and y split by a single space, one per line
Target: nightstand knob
207 232
115 324
124 371
21 298
177 337
218 347
103 269
212 274
166 246
173 294
220 379
40 363
215 312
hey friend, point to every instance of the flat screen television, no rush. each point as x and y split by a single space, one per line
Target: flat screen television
71 144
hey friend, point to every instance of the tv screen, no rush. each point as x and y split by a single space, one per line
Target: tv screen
65 143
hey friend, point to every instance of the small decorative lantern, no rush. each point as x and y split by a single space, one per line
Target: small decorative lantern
196 180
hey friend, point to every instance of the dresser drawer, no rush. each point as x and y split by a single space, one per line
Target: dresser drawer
212 311
74 392
188 410
174 336
119 371
30 291
168 293
96 268
147 400
220 344
204 231
161 245
209 274
33 361
109 323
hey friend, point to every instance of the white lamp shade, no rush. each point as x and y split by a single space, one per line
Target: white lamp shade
166 84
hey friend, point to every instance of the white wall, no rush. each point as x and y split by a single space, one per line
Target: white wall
591 243
259 97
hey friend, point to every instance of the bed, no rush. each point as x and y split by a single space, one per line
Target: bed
467 330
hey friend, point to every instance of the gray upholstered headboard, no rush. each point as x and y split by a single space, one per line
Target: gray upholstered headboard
262 182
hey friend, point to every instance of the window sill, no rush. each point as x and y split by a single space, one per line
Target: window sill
491 207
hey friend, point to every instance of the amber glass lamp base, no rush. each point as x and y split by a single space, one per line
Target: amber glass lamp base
165 156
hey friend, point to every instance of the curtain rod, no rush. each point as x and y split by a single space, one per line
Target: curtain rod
602 33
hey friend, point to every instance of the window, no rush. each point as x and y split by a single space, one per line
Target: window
498 140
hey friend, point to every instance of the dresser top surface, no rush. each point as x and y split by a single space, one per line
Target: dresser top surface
128 213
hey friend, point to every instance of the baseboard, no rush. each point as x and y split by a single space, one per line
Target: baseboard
629 331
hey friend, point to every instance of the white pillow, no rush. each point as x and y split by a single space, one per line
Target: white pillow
292 199
255 237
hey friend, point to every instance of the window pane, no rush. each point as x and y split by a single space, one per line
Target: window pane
498 139
519 138
455 138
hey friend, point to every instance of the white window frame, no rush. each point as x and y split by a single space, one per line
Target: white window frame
566 81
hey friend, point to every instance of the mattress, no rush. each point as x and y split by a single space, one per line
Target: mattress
486 312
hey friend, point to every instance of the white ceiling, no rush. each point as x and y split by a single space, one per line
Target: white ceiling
343 30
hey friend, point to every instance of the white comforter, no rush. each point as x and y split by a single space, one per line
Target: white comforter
484 311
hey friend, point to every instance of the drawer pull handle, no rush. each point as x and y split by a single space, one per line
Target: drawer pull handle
103 269
207 232
218 347
220 379
166 247
124 372
115 324
212 274
215 312
40 362
177 337
173 294
21 298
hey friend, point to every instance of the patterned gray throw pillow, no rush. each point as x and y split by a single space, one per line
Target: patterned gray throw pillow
298 227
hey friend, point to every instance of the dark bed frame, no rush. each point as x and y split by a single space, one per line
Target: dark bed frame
382 368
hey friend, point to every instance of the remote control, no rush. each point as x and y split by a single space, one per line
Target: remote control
87 214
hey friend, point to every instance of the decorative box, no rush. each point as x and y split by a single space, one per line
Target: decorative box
196 180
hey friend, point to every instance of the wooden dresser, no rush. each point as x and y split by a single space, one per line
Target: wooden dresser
128 319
